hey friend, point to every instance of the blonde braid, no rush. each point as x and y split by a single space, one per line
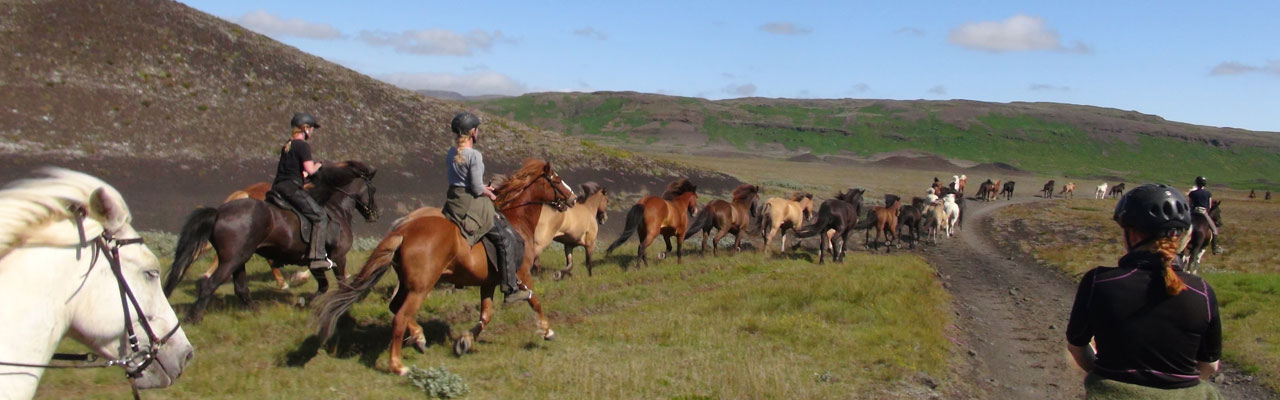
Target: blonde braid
1167 248
458 139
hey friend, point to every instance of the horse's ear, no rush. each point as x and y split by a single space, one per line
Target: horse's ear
110 207
546 168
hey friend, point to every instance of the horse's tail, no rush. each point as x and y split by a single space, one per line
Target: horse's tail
334 304
700 221
867 221
766 220
195 233
635 217
825 220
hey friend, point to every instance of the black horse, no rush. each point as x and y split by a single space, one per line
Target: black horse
1047 191
839 214
240 228
1116 191
912 217
1007 190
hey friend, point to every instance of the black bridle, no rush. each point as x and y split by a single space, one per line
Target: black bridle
135 360
560 203
364 208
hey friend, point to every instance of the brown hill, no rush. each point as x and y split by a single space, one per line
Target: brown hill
179 107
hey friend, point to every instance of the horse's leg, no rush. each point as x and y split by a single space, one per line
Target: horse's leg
241 280
715 243
279 275
468 338
644 244
322 281
737 241
679 247
667 239
568 262
404 316
590 248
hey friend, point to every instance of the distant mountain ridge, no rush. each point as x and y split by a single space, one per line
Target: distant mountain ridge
1049 138
455 96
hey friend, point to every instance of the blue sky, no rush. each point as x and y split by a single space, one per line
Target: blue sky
1209 63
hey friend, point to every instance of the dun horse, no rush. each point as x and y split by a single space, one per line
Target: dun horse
778 215
836 218
574 228
241 228
429 249
726 217
667 215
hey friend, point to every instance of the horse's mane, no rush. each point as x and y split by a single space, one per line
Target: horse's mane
338 175
589 189
797 196
677 188
889 199
517 181
32 203
744 191
851 195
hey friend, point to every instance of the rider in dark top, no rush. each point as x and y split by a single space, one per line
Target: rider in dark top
1154 325
295 165
1201 202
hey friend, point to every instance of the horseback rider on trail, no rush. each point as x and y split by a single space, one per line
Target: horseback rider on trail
1201 201
295 166
469 204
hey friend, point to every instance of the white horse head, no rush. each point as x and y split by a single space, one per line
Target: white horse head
54 284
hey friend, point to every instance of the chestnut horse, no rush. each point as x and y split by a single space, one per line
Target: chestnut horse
727 217
668 215
778 215
884 221
257 191
839 215
241 228
995 188
1068 190
429 249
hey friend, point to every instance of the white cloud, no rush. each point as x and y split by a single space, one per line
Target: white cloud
590 32
1016 33
435 41
1272 67
938 90
472 84
269 24
1044 87
746 90
785 28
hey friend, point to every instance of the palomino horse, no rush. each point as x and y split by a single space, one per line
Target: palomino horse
71 265
778 215
727 217
257 191
576 227
884 220
935 220
1068 190
1007 190
668 215
1047 190
1116 191
241 228
1201 237
1101 191
912 218
429 249
836 218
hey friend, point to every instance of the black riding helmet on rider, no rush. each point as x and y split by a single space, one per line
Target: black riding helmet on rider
1159 210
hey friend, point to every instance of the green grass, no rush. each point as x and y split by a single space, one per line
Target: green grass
731 327
1078 235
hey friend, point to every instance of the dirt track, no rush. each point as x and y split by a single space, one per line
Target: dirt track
1012 313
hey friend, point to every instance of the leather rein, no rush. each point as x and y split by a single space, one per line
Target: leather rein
560 203
136 360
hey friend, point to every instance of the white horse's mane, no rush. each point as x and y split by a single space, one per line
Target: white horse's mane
27 205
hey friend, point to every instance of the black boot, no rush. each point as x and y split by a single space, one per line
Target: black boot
319 258
510 254
1216 248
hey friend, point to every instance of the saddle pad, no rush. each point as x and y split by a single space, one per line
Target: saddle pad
275 199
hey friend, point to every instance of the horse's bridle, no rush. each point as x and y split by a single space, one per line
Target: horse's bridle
360 204
136 360
560 203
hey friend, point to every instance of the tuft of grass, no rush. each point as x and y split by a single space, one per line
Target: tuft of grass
438 382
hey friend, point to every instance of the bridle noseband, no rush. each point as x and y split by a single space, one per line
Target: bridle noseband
361 206
136 360
560 203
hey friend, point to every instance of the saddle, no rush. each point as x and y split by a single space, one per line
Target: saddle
275 199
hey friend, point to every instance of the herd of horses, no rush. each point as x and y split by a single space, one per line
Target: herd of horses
425 249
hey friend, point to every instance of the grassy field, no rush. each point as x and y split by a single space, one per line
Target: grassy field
730 327
1077 235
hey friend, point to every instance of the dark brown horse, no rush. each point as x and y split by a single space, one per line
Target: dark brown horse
1116 191
1201 237
1047 191
836 218
241 228
429 249
728 217
1007 190
884 220
985 190
668 215
912 219
257 191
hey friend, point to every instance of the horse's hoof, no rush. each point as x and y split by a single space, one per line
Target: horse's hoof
402 371
421 345
550 336
462 346
283 286
662 256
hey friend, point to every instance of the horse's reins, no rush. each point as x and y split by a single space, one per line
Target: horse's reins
360 204
560 203
137 360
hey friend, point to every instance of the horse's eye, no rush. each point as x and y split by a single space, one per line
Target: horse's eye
152 274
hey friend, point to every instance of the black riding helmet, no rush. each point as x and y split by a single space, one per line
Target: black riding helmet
1200 181
1152 208
463 122
300 119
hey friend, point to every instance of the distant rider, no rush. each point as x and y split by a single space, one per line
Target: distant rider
1201 202
469 204
295 166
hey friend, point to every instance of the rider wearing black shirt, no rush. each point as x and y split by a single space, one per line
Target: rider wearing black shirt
1154 325
1201 202
294 167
